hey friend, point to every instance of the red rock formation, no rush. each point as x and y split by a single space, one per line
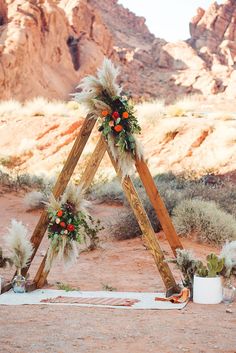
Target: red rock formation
35 56
47 46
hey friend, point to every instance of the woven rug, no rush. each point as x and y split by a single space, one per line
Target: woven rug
92 301
96 299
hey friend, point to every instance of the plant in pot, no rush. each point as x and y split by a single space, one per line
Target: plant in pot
207 283
228 253
4 261
21 251
188 265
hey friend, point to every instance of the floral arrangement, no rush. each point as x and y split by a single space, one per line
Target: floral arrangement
69 223
102 97
120 122
20 247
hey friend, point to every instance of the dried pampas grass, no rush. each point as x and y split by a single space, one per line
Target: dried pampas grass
20 247
92 96
73 194
92 87
64 249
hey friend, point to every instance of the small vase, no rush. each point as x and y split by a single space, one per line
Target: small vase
18 283
229 292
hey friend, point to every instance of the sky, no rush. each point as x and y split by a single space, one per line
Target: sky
167 19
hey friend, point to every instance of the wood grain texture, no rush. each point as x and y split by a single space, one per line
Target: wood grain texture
158 205
93 164
62 181
146 228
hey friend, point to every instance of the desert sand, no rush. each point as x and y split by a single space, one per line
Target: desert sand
125 266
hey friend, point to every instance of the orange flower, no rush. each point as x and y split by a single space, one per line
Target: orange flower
63 225
125 115
118 128
105 113
59 213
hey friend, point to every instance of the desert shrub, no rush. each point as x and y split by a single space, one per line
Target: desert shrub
35 199
205 220
15 181
107 191
173 190
40 106
150 112
10 108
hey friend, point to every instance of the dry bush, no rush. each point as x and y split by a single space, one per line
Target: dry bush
106 191
11 162
150 112
173 190
34 200
42 107
15 181
205 220
188 103
10 108
184 106
175 111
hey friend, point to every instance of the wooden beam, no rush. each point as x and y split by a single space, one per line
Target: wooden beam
93 164
62 181
158 205
147 230
86 180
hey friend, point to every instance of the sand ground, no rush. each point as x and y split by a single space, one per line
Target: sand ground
123 265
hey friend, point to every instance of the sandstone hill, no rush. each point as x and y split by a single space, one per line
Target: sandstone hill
47 46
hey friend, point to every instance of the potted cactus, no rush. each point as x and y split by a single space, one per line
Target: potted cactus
207 285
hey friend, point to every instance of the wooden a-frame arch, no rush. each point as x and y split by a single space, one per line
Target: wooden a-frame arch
132 196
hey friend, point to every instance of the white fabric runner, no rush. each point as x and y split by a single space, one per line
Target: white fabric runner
146 300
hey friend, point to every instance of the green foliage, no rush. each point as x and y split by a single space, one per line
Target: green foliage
213 268
187 264
91 230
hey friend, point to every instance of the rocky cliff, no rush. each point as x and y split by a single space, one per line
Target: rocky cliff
47 46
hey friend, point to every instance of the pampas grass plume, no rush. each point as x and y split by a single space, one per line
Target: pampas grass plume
20 247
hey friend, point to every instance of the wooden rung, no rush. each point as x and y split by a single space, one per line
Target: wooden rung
158 205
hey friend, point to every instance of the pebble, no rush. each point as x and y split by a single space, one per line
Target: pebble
229 311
